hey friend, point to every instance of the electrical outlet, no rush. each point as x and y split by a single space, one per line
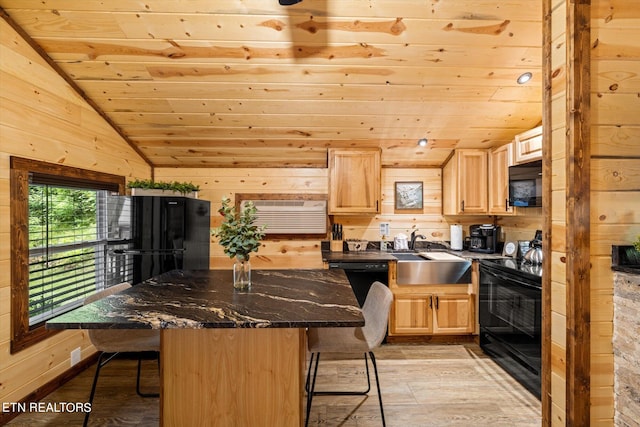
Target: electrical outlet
75 356
384 229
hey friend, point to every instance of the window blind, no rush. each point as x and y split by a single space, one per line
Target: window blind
66 248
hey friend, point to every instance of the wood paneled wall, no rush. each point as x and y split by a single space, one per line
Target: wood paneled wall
613 189
42 118
218 183
523 225
285 253
615 175
558 251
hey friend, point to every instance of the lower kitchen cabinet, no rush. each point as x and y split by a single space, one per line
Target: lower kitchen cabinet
416 312
412 314
453 314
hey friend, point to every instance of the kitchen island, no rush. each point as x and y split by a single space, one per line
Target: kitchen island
228 357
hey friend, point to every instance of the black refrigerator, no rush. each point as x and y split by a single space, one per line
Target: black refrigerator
150 235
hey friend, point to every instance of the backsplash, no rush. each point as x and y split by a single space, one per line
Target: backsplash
522 226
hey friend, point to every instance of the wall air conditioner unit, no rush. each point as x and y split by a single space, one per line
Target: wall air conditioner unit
291 216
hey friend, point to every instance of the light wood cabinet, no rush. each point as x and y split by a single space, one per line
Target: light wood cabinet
453 314
464 183
432 314
354 181
412 314
499 161
447 309
528 146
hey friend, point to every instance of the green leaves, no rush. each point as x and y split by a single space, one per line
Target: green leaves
180 187
238 234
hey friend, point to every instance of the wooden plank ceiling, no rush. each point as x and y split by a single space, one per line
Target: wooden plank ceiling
246 83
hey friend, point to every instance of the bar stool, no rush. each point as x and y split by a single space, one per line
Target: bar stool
110 342
362 340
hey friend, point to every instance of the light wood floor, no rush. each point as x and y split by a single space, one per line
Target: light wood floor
422 385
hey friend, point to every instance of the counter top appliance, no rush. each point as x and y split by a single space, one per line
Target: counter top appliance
525 184
484 238
534 254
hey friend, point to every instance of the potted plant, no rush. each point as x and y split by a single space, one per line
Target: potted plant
150 187
239 235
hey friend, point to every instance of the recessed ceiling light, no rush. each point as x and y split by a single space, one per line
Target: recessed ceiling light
523 78
422 142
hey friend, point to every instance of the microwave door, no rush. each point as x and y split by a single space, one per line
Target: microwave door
525 184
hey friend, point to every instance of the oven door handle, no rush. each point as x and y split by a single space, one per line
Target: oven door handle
509 279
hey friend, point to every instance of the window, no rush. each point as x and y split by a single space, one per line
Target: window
58 242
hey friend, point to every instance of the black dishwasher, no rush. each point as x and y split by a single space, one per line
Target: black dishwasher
362 274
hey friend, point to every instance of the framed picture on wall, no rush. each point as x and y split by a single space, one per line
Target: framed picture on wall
409 195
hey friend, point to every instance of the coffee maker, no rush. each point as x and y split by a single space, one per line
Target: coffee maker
484 238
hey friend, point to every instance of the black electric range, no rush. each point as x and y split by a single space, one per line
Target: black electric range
510 309
512 265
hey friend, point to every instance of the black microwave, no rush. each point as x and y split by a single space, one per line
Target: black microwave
525 184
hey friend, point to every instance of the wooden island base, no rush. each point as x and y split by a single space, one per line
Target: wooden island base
232 377
228 358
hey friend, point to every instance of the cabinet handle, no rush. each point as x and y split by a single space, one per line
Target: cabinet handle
430 301
436 302
462 206
377 208
506 205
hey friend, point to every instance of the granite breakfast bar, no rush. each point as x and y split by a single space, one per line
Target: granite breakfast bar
228 357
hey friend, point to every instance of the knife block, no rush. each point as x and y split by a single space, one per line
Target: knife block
336 245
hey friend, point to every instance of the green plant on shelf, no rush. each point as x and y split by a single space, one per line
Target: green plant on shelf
636 244
149 184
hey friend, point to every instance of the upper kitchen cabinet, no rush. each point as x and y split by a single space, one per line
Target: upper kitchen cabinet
464 183
500 159
528 146
354 181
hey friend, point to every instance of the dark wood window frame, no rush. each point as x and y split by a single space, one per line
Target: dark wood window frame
22 335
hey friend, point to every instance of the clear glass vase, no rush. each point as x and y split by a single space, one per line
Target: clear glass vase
242 273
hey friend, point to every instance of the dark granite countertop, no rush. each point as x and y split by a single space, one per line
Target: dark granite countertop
386 256
206 299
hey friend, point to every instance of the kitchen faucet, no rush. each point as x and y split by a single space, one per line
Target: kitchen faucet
415 236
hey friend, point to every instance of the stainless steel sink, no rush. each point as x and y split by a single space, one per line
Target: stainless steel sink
404 256
415 269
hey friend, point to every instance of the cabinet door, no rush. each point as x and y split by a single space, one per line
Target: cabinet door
528 146
354 181
472 181
412 315
464 183
499 161
453 314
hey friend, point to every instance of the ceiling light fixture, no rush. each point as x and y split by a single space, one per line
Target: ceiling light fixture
524 77
288 2
422 142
